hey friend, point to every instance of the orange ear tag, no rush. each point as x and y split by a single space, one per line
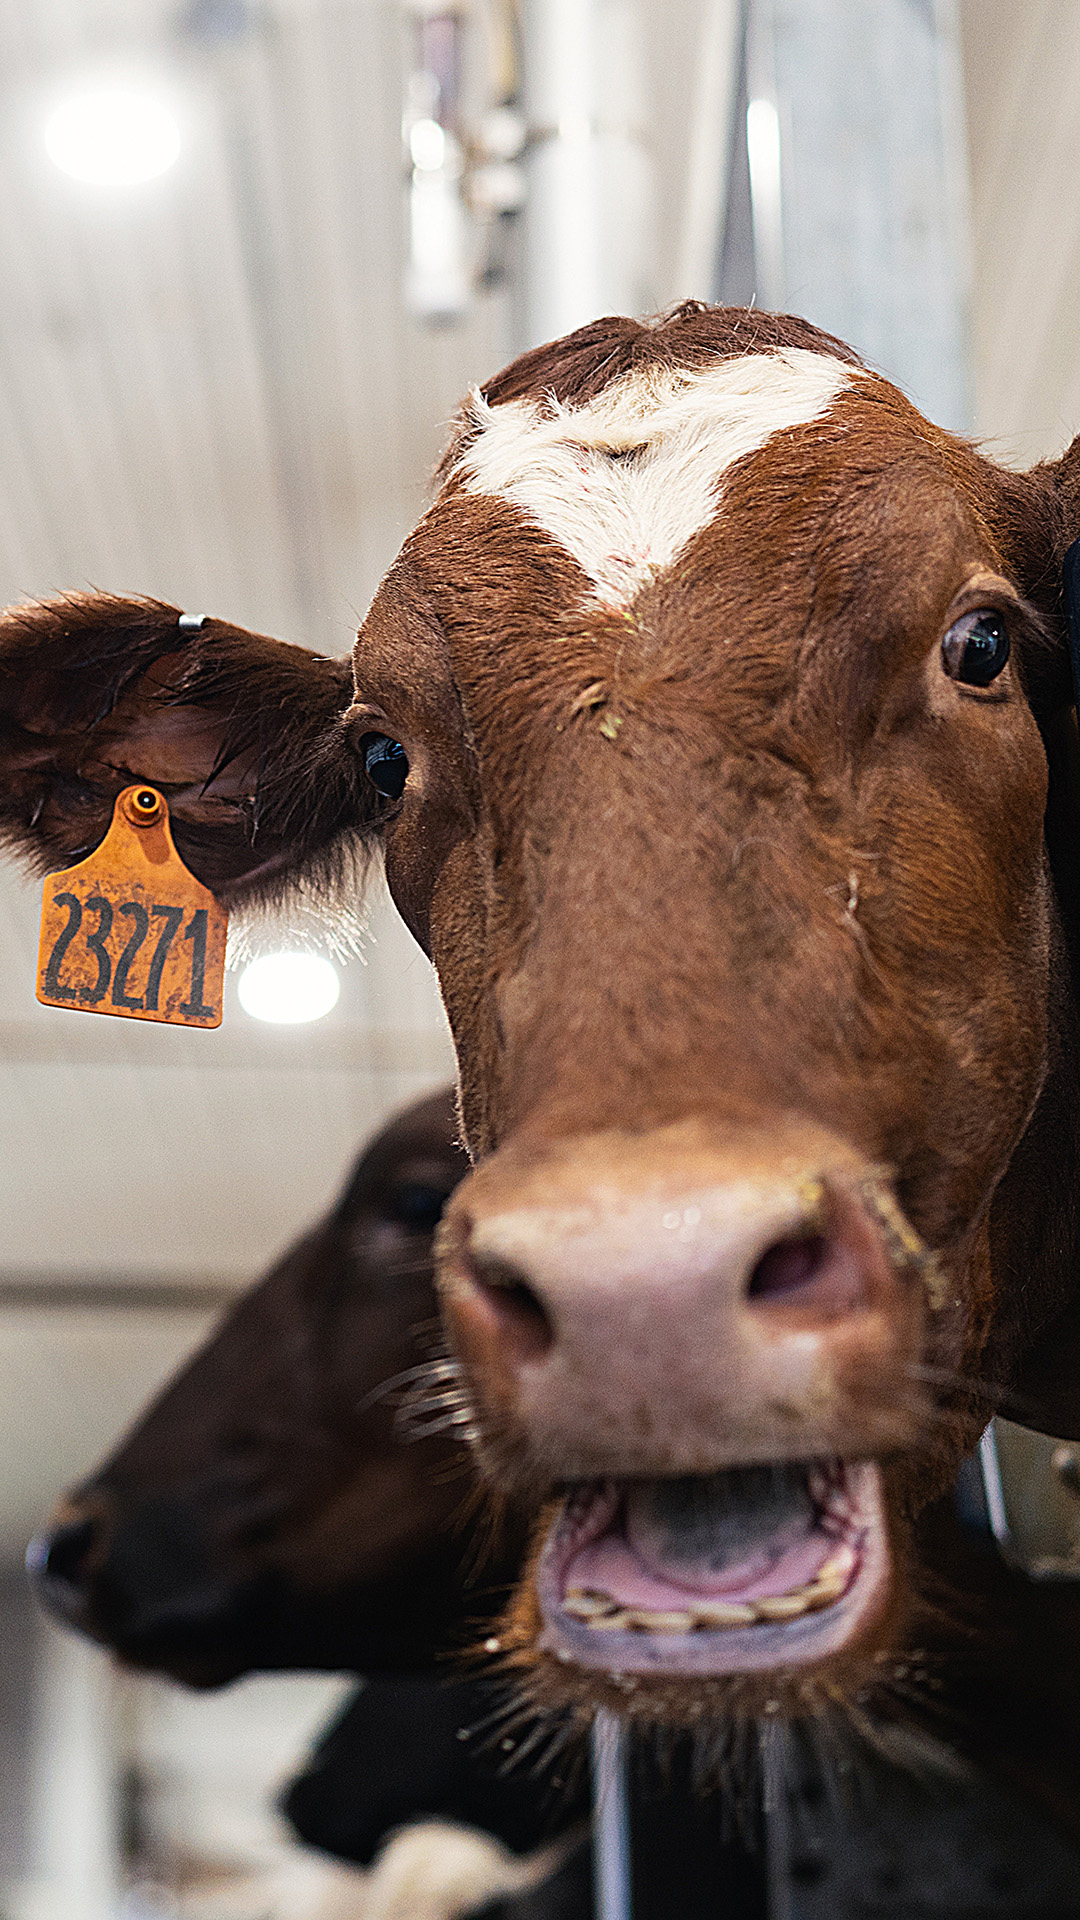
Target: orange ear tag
129 930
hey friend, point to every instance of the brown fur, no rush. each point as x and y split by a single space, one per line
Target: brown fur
243 734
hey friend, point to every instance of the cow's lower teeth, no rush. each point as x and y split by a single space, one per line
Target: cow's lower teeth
839 1566
602 1612
717 1616
584 1604
781 1606
726 1613
824 1593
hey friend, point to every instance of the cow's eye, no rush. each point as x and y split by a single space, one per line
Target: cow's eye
976 648
417 1205
386 764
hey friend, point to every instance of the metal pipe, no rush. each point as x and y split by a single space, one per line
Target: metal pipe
857 169
611 1820
775 1810
587 213
76 1759
716 91
438 279
763 158
996 1509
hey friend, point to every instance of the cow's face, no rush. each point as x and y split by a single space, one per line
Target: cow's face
715 670
724 827
267 1510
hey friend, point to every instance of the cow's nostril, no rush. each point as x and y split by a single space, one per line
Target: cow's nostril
59 1565
524 1328
788 1266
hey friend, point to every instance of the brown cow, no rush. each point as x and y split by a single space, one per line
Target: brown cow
715 726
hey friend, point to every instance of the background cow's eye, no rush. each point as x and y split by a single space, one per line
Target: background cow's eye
976 648
417 1205
386 764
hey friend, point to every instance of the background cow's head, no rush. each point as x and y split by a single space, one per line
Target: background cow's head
715 726
268 1510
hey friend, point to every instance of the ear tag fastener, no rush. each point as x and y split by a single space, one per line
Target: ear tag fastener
130 931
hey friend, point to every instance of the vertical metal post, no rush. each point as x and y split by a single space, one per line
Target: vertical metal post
858 175
709 143
74 1815
996 1510
779 1891
858 188
611 1820
587 214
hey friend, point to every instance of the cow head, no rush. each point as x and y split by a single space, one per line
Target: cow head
714 725
267 1511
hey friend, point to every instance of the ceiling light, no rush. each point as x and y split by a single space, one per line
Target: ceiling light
763 154
289 988
112 134
427 145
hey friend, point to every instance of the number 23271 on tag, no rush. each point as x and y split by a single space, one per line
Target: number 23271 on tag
129 931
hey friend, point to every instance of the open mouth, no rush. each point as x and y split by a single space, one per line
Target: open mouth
740 1571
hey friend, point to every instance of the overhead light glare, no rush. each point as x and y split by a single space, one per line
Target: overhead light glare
764 157
289 989
113 134
763 145
427 145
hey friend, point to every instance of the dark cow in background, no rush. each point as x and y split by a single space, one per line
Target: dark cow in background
183 1551
282 1505
715 727
265 1512
246 1524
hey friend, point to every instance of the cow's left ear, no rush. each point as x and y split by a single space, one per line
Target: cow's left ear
1063 475
1035 1217
1036 519
243 734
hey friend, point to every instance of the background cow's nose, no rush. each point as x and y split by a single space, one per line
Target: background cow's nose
138 1572
61 1560
647 1317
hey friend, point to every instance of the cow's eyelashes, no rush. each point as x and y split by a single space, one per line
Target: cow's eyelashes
976 647
385 763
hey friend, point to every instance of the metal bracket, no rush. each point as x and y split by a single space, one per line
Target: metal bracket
1032 1487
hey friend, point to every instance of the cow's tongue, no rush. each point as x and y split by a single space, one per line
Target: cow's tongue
740 1535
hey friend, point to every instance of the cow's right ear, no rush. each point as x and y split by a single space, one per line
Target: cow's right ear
243 734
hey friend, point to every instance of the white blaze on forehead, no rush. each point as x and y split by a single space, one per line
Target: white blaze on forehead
624 482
